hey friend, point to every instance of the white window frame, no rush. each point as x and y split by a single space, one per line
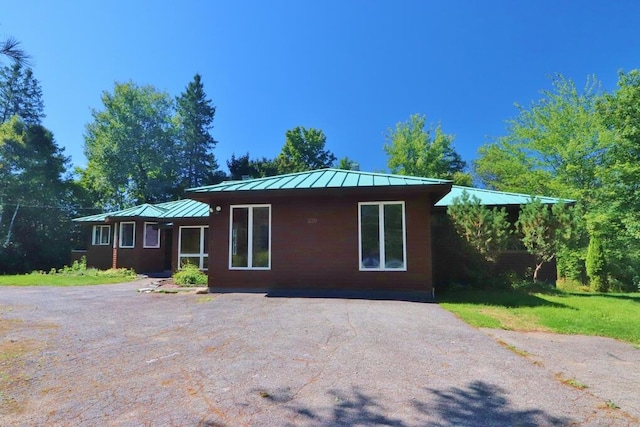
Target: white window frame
249 237
381 242
102 232
144 237
133 241
202 255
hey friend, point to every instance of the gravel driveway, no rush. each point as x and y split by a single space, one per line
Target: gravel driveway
106 355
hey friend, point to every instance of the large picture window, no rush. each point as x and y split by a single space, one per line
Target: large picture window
101 235
382 241
127 234
250 237
193 246
151 235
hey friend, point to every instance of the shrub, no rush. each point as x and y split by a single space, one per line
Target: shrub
596 267
190 275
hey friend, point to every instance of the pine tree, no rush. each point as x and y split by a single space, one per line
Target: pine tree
195 114
20 95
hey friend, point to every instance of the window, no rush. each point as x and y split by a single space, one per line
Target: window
127 234
101 235
250 237
382 236
193 246
151 235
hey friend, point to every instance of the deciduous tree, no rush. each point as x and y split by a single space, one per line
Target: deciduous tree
37 199
303 150
130 147
413 149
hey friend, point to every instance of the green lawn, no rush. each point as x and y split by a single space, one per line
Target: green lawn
609 315
35 279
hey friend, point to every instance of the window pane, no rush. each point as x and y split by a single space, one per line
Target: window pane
126 234
206 240
190 241
240 237
151 235
96 235
106 233
260 239
370 235
393 239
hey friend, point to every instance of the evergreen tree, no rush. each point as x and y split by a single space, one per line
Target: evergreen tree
596 265
20 95
11 49
195 114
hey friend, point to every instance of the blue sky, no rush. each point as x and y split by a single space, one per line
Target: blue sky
351 68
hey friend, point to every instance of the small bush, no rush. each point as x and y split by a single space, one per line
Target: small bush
190 275
79 269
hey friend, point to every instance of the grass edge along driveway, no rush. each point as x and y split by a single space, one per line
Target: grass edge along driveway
608 315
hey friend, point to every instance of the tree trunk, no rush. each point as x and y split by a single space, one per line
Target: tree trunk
13 218
536 271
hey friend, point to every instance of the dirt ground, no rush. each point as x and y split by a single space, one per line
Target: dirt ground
108 355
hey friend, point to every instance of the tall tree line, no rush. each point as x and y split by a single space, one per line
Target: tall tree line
583 145
38 196
144 146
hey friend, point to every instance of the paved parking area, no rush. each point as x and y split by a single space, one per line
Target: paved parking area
106 355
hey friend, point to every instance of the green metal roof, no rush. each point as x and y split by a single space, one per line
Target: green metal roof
185 208
321 178
497 198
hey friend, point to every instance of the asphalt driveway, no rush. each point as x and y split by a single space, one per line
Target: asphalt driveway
106 355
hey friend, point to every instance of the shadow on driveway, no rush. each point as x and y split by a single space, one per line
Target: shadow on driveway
479 404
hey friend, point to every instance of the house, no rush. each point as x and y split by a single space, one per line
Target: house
148 238
327 229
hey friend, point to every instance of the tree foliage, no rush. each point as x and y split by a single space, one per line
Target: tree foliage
303 150
347 164
487 230
414 150
130 147
596 265
195 114
553 147
244 167
37 199
10 48
545 230
20 95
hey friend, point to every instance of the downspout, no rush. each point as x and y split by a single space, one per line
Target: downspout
114 254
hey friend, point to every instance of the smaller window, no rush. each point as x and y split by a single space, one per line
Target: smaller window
151 235
127 234
101 235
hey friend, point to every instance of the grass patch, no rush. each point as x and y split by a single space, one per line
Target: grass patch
514 349
75 275
608 315
571 382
